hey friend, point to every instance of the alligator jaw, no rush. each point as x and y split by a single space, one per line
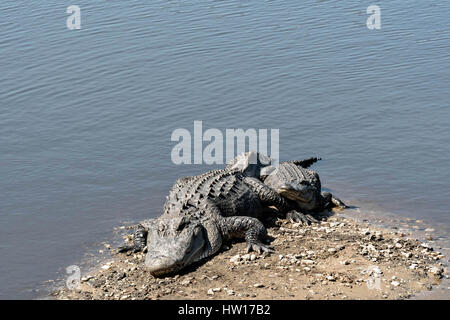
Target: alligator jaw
171 251
292 194
160 266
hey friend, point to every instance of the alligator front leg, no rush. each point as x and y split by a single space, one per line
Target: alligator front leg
139 240
267 195
332 201
270 197
304 218
249 228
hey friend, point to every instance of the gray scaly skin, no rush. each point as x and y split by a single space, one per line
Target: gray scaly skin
200 213
303 188
293 181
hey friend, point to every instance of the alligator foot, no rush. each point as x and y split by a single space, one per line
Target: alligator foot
266 194
332 201
338 203
125 248
251 228
295 216
139 240
259 247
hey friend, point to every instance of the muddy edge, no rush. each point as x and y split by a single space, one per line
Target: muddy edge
339 258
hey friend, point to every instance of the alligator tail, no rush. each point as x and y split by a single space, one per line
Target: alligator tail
306 162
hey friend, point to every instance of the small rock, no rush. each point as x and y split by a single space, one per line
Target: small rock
258 285
235 259
210 292
407 254
437 271
376 271
86 278
395 283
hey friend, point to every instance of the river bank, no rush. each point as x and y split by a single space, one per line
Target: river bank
339 258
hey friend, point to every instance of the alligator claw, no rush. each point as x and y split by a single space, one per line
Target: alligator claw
295 216
131 247
259 247
125 248
338 203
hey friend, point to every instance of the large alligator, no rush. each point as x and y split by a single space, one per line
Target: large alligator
201 212
292 180
303 188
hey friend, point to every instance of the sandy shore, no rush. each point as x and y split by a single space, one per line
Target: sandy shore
335 259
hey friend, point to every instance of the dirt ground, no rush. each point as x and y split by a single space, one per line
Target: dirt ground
335 259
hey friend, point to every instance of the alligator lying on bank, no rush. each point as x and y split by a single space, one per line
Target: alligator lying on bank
292 180
203 211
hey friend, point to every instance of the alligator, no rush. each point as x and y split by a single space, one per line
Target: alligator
201 212
302 187
292 180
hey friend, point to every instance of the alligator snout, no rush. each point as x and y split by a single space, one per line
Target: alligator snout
158 266
296 192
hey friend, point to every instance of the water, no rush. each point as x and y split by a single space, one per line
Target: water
86 116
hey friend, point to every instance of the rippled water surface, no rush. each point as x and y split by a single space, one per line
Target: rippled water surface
86 116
